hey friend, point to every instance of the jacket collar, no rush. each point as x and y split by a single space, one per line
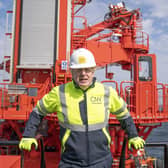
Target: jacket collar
91 86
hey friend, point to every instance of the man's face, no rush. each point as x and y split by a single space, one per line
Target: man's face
83 77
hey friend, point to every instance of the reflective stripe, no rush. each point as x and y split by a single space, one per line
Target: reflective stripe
124 117
108 136
42 108
82 128
106 103
64 139
63 102
36 110
120 110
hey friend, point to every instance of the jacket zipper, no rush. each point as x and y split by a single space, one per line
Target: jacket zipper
87 139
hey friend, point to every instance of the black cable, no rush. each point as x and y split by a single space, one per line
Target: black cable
43 164
122 157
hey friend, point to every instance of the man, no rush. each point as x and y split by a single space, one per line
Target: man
83 108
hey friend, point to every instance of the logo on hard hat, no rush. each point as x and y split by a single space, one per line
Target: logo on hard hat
81 60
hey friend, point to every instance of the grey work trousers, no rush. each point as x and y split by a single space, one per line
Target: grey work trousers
107 163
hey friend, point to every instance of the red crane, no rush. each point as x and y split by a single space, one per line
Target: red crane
43 37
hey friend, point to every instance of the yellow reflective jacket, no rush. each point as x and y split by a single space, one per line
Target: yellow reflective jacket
100 101
83 117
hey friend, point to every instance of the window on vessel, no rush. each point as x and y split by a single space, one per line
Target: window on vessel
145 68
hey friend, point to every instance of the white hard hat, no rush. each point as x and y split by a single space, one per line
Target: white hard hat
82 58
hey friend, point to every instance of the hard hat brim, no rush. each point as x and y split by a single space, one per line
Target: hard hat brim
81 66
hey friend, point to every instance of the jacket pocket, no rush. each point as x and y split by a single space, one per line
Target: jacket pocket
107 135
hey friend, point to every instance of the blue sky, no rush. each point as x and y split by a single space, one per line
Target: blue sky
155 23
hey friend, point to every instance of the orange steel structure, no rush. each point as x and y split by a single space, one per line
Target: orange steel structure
118 39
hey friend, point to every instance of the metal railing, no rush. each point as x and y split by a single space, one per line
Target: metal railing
16 143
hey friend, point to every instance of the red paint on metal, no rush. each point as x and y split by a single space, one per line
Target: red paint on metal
16 38
10 161
19 97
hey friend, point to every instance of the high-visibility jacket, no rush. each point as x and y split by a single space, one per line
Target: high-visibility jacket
83 117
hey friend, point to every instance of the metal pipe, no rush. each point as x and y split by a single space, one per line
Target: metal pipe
8 143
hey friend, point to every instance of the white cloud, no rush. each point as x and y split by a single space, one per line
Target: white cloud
148 26
154 7
160 44
1 49
160 8
1 4
95 11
